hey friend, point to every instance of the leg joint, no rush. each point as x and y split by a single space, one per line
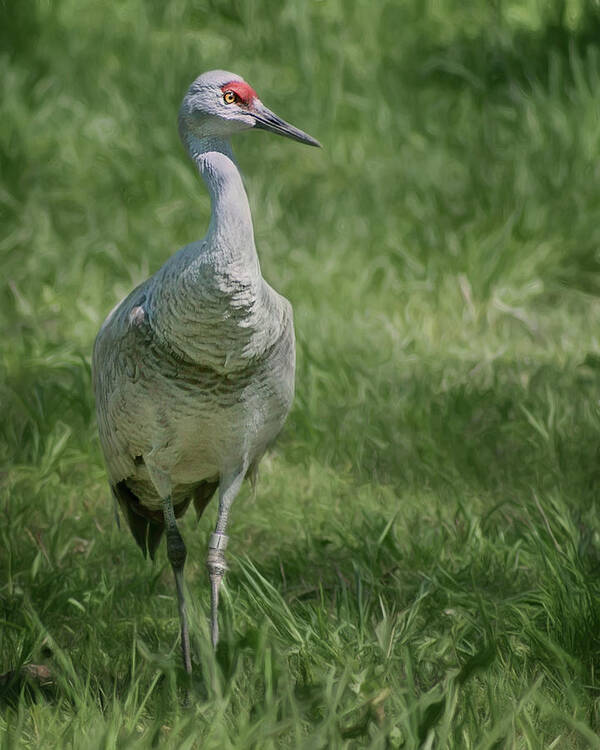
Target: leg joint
215 562
176 550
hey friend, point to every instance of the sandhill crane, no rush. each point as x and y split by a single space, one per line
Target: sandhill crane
194 370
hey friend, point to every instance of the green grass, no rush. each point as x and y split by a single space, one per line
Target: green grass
420 566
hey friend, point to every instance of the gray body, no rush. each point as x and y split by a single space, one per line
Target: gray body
194 370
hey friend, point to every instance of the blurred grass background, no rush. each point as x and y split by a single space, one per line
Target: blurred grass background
420 565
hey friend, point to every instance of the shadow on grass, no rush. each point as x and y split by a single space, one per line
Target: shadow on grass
508 453
498 428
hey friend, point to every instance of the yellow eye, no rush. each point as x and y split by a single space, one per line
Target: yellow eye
229 97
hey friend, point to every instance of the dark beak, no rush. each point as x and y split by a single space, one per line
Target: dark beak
264 119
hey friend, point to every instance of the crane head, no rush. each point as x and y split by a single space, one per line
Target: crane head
219 104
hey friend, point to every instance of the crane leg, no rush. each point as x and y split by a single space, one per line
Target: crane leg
228 489
176 551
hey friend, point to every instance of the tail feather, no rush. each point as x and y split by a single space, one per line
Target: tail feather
203 494
147 528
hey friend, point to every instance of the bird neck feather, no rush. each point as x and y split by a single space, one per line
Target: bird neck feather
230 233
205 299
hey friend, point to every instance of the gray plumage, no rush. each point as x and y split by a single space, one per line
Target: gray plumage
194 370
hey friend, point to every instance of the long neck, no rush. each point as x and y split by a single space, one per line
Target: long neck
203 292
230 233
